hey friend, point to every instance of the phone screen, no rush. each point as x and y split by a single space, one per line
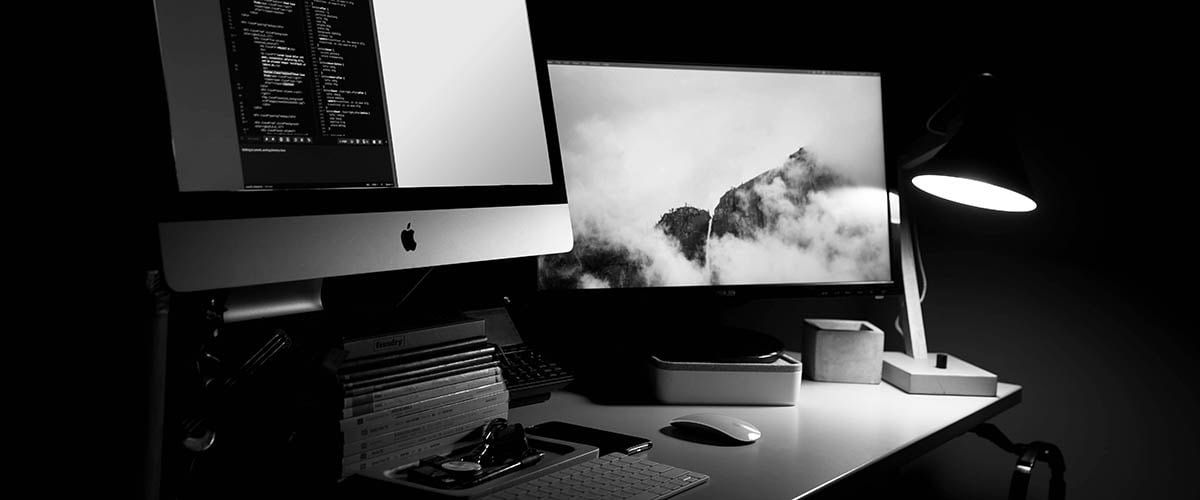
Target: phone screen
606 441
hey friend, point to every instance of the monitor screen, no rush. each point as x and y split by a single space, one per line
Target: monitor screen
320 138
713 176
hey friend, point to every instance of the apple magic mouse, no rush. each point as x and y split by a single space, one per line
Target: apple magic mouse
718 425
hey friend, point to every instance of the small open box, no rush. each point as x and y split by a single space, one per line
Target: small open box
837 350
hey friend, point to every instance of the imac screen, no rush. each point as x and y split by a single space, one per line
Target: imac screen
350 94
710 176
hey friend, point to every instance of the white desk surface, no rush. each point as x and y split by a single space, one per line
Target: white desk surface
833 431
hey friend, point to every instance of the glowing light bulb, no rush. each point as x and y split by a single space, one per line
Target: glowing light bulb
974 193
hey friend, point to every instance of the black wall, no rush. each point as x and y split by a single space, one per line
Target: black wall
1083 302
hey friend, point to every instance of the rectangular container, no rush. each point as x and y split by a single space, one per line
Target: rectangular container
776 383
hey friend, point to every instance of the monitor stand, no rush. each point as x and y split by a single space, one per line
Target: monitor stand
274 300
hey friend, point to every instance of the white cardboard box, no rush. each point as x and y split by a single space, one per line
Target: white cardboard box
776 383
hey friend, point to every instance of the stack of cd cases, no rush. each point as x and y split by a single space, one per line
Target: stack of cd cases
409 394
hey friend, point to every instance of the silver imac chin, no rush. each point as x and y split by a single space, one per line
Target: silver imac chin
313 141
211 254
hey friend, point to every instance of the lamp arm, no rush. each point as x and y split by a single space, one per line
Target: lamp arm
914 338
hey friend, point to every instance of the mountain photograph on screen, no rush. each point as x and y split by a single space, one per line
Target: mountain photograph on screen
690 176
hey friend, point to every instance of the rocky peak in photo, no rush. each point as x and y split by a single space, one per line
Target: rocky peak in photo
743 210
688 226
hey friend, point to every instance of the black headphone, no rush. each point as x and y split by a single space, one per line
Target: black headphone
1027 457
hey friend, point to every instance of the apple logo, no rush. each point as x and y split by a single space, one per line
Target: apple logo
406 238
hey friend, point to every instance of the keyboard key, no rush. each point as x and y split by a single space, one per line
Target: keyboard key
674 473
529 374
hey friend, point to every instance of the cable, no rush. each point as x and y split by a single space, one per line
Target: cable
923 284
414 287
953 99
929 121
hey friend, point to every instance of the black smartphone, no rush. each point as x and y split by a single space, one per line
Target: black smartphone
606 441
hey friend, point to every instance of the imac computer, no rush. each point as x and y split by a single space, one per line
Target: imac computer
694 186
314 139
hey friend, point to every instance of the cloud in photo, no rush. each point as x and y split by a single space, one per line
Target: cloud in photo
837 236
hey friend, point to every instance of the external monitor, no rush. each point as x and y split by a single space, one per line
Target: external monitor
317 138
725 180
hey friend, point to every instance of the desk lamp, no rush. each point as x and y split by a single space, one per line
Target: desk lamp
971 159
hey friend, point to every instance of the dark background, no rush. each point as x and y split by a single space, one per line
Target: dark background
1083 302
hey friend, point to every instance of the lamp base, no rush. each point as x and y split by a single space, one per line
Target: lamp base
958 377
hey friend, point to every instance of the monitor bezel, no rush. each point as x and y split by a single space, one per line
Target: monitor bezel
741 292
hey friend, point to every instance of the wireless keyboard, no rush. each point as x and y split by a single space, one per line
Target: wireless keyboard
529 374
615 475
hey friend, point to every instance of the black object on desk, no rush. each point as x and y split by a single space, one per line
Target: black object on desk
503 449
606 441
529 374
400 483
722 345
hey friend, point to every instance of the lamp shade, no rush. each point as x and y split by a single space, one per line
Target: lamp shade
981 163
